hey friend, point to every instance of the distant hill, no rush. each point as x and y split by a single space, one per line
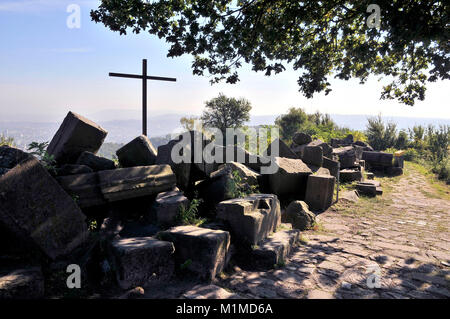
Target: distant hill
123 131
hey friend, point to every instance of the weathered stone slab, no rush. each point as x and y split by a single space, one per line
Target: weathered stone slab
97 163
138 152
313 155
274 250
332 165
124 183
200 250
22 284
251 219
347 156
301 138
75 135
378 158
299 216
290 178
319 191
73 169
366 189
298 149
83 188
327 150
167 206
283 150
141 260
37 211
350 175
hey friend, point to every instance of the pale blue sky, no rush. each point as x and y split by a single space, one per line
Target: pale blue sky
47 69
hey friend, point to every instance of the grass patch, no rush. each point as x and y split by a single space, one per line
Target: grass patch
441 189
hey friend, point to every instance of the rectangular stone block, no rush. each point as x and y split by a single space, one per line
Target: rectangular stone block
96 163
347 156
75 135
83 188
378 158
251 219
319 191
313 155
332 165
167 206
138 152
202 251
38 212
140 261
290 178
124 183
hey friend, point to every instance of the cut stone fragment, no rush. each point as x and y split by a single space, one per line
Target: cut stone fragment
298 149
97 163
73 169
347 156
200 250
378 159
167 206
313 155
319 191
369 189
22 284
332 165
11 156
327 150
301 138
251 219
290 178
75 135
394 171
133 182
299 216
141 260
38 212
138 152
350 175
274 250
83 188
283 150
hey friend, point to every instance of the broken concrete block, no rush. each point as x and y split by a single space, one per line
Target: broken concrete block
75 135
319 191
38 212
290 178
138 152
350 175
331 165
274 250
251 219
301 138
125 183
347 156
283 150
378 159
313 155
25 283
73 169
97 163
299 216
141 260
167 207
200 250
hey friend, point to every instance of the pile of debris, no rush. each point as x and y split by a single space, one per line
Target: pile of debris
139 221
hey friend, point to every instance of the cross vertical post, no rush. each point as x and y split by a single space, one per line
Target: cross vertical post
144 97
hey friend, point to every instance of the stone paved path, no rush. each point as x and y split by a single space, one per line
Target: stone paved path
396 246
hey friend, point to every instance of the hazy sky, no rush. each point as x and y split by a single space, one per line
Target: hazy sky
48 69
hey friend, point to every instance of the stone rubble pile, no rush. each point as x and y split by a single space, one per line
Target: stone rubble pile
142 220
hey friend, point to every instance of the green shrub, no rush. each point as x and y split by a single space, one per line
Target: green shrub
411 155
5 140
189 215
40 150
442 170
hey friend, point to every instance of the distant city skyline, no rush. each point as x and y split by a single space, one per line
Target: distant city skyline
49 69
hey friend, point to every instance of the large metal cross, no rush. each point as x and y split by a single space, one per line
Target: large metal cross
144 78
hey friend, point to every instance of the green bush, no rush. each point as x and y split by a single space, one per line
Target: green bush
5 140
411 155
442 170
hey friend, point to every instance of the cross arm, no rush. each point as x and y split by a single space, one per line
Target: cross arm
136 76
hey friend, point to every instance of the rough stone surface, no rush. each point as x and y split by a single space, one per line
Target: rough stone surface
299 215
11 156
332 165
378 159
75 135
349 196
313 155
274 250
301 138
283 150
83 188
124 183
167 206
97 163
319 191
290 178
347 156
209 292
200 250
394 171
350 175
327 150
141 260
251 219
138 152
38 212
22 284
73 169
